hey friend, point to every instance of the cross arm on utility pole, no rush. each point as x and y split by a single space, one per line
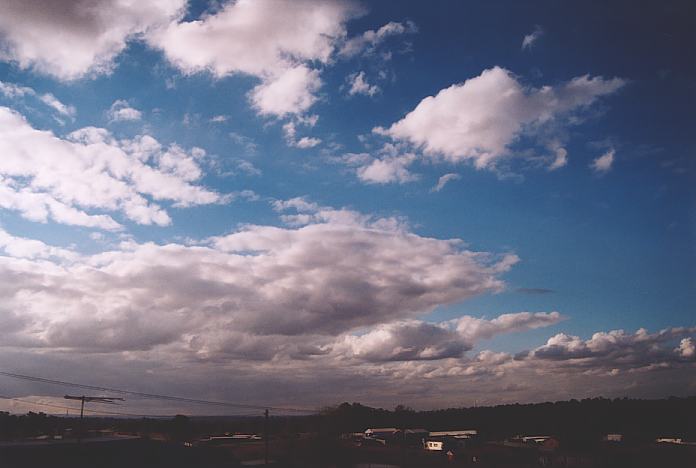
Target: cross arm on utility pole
97 399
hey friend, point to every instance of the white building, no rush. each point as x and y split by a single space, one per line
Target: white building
468 434
447 440
435 445
669 440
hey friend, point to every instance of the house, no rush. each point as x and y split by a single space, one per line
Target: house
386 433
467 434
448 440
669 440
442 444
228 439
245 437
534 439
434 445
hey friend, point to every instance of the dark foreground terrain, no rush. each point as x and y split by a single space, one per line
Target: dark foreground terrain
334 438
142 453
133 453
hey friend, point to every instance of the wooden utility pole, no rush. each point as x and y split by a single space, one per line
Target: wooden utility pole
265 435
83 399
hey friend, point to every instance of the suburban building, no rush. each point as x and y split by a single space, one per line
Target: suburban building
448 440
382 433
669 440
467 434
434 444
542 441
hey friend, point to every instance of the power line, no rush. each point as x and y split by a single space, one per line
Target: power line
49 405
153 396
92 399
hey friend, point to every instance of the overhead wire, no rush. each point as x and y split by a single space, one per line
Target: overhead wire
86 410
154 395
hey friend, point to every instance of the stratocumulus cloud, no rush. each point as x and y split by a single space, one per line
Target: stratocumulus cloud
276 301
326 278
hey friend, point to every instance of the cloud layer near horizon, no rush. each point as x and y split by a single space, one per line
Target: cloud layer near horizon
329 277
336 294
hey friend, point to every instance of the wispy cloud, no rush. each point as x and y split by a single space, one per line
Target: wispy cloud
444 180
530 39
12 91
357 84
603 163
368 41
121 111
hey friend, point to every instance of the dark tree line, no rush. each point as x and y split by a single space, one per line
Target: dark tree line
574 421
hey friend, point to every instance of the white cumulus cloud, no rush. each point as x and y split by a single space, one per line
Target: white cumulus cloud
291 92
70 39
615 351
273 40
415 340
390 165
44 176
480 119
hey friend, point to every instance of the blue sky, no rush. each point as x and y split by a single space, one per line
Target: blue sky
563 132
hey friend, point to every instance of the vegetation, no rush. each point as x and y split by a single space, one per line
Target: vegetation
574 421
